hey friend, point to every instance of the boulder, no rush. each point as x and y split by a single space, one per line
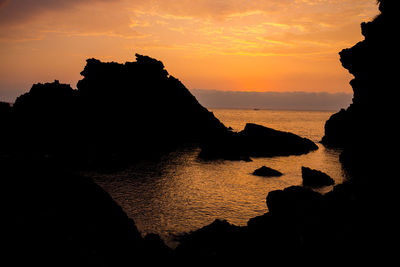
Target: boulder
264 141
315 178
256 141
293 200
267 172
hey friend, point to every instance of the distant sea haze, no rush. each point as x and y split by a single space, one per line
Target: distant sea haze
272 100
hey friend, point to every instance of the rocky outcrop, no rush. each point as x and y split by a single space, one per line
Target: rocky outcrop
313 177
5 132
363 127
257 141
135 110
267 172
55 218
119 112
294 201
301 223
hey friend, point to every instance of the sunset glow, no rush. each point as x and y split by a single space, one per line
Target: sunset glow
268 45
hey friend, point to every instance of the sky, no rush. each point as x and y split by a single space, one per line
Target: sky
235 45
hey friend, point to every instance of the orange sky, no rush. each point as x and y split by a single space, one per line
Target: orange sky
246 45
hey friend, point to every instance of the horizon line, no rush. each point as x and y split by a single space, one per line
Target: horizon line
278 92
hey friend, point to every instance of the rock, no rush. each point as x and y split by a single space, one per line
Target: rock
315 178
336 130
6 127
362 127
266 171
257 141
68 220
218 240
293 200
119 113
264 141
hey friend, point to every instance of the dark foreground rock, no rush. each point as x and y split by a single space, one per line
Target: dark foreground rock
313 177
267 172
256 141
302 226
51 217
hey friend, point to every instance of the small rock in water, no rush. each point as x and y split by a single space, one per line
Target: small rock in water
265 171
315 178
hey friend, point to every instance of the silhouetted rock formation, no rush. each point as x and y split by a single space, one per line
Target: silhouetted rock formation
219 240
370 120
46 122
301 225
292 200
315 178
138 108
267 172
4 108
257 141
5 124
54 218
120 112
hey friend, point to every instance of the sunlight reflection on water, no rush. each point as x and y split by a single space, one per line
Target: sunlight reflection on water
182 193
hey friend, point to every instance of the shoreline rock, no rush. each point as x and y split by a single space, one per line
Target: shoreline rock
315 178
256 141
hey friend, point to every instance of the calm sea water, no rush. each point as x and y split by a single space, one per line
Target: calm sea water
182 193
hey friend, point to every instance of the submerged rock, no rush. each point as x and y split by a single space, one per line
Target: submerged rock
315 178
267 172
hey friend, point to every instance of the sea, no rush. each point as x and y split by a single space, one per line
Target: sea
182 193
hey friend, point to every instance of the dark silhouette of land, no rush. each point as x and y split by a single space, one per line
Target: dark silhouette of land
367 128
122 112
118 114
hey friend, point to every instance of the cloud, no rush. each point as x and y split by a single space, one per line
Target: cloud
19 11
116 17
24 20
258 44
